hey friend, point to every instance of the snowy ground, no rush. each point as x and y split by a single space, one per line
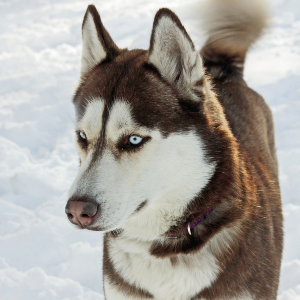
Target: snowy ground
41 255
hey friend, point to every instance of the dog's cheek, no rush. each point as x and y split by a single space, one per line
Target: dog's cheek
81 153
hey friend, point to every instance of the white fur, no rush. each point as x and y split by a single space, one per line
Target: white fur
120 122
234 25
92 50
176 172
111 292
171 49
90 124
187 277
223 240
191 274
80 184
166 172
244 296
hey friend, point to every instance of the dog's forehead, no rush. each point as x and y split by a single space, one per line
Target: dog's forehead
106 79
129 76
126 91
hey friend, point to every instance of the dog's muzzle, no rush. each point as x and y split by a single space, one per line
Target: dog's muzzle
82 211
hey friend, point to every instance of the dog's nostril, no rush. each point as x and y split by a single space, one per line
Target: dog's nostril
81 211
89 210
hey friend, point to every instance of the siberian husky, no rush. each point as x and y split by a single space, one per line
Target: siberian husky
177 161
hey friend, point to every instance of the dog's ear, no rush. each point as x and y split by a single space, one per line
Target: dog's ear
97 45
173 54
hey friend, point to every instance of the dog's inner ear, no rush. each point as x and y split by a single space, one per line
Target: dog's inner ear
97 45
173 54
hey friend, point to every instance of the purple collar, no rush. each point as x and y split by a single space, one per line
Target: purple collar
192 224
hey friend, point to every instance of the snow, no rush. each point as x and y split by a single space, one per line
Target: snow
41 255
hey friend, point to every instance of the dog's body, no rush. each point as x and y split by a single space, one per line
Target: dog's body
178 161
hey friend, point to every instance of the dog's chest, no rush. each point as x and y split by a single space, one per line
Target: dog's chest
176 278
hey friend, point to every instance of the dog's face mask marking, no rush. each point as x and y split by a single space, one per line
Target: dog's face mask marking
123 176
142 159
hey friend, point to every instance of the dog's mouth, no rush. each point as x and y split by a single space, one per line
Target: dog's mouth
85 214
140 207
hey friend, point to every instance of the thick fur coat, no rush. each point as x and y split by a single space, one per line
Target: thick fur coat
177 161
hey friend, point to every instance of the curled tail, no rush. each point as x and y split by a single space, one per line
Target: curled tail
232 27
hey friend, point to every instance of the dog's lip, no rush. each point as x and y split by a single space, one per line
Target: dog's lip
141 206
90 227
97 215
98 228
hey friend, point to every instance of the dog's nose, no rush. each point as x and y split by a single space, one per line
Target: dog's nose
80 211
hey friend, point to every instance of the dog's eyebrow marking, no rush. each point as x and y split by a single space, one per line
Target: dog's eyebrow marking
121 122
91 122
120 118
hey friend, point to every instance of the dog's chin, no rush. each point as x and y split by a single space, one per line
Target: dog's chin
98 228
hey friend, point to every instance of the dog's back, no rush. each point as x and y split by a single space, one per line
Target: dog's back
232 27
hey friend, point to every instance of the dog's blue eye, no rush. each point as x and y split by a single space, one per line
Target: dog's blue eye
134 140
82 135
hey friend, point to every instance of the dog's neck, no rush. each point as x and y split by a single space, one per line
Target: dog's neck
177 231
191 225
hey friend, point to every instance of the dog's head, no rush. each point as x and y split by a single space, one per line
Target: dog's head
142 123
